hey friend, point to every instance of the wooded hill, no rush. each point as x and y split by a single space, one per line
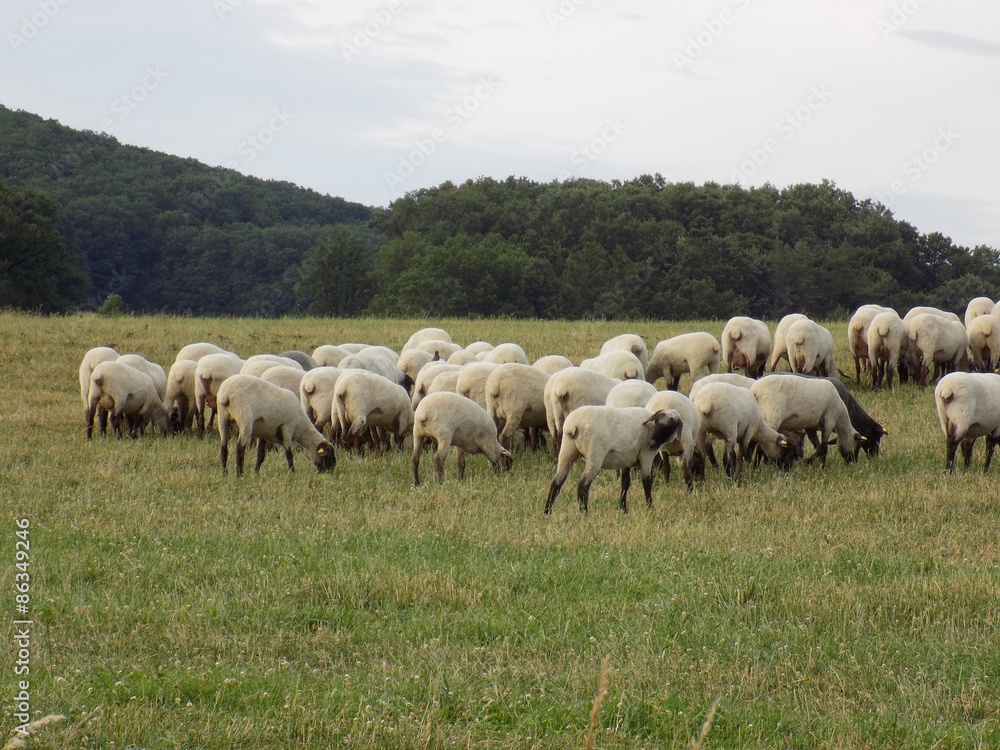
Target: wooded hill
174 235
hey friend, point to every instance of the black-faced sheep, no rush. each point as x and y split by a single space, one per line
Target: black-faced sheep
857 335
984 343
363 400
685 445
688 352
968 407
179 398
515 399
810 349
780 350
124 391
628 342
316 396
471 381
212 370
92 359
936 340
887 348
570 389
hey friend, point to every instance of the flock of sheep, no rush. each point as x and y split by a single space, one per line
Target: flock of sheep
483 399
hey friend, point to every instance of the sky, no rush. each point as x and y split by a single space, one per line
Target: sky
896 100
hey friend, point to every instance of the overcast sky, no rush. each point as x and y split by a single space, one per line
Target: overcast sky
893 100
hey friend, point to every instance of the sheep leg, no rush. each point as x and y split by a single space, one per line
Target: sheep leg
261 450
967 444
647 488
90 421
729 460
460 456
590 472
951 448
566 461
991 444
241 449
442 453
687 472
665 460
418 448
675 383
102 418
626 483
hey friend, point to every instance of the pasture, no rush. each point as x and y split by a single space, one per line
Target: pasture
174 607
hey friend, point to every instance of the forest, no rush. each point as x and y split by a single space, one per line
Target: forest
97 217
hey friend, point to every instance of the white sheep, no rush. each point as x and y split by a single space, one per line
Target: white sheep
92 359
447 419
316 396
410 362
978 306
927 310
796 405
810 349
156 373
504 353
443 349
306 362
212 370
552 363
426 376
363 400
984 343
688 352
607 437
937 340
515 399
328 355
122 390
570 389
425 334
445 381
887 347
479 347
731 414
857 335
746 345
619 364
272 414
779 351
472 378
630 393
195 352
628 342
373 361
968 407
733 378
685 445
180 394
289 378
462 357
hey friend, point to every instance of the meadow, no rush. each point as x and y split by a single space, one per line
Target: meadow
849 606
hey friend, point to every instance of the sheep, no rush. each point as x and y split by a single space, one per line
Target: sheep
180 394
968 407
938 340
808 405
731 413
328 355
607 437
363 400
425 334
479 347
504 353
212 370
262 410
925 310
780 350
857 335
887 348
628 342
316 395
746 344
194 352
978 306
373 361
515 399
617 364
410 362
426 376
462 357
445 381
259 366
390 355
443 349
733 378
275 358
289 378
685 445
552 363
305 361
570 389
688 352
630 393
124 391
92 359
810 349
155 372
984 343
472 379
447 420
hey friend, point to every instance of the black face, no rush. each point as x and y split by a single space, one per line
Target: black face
325 459
666 428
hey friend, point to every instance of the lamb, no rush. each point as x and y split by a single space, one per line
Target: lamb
731 413
504 353
887 348
155 372
978 306
363 400
617 364
685 445
92 359
316 396
194 352
984 343
780 350
857 334
810 349
628 342
515 399
570 389
305 361
328 355
938 340
289 378
472 379
552 363
425 334
122 390
212 370
607 437
793 404
968 407
426 376
447 420
630 393
746 344
179 398
262 410
688 352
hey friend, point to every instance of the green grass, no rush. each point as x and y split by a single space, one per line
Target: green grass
846 607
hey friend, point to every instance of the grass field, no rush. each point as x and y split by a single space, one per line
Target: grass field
846 607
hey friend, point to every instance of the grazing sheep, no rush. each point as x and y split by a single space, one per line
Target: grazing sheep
425 334
685 445
617 364
925 310
630 393
212 370
259 366
262 410
504 353
155 372
688 352
180 394
390 355
968 407
355 348
733 378
472 381
426 376
746 344
305 361
479 347
984 343
363 400
328 355
857 335
373 361
462 357
731 413
628 342
552 363
447 420
933 339
570 389
442 349
410 362
275 358
887 348
122 390
978 306
607 437
316 396
194 352
445 381
792 404
92 359
810 349
289 378
515 399
780 350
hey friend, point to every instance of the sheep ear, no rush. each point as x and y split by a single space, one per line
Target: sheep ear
652 417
